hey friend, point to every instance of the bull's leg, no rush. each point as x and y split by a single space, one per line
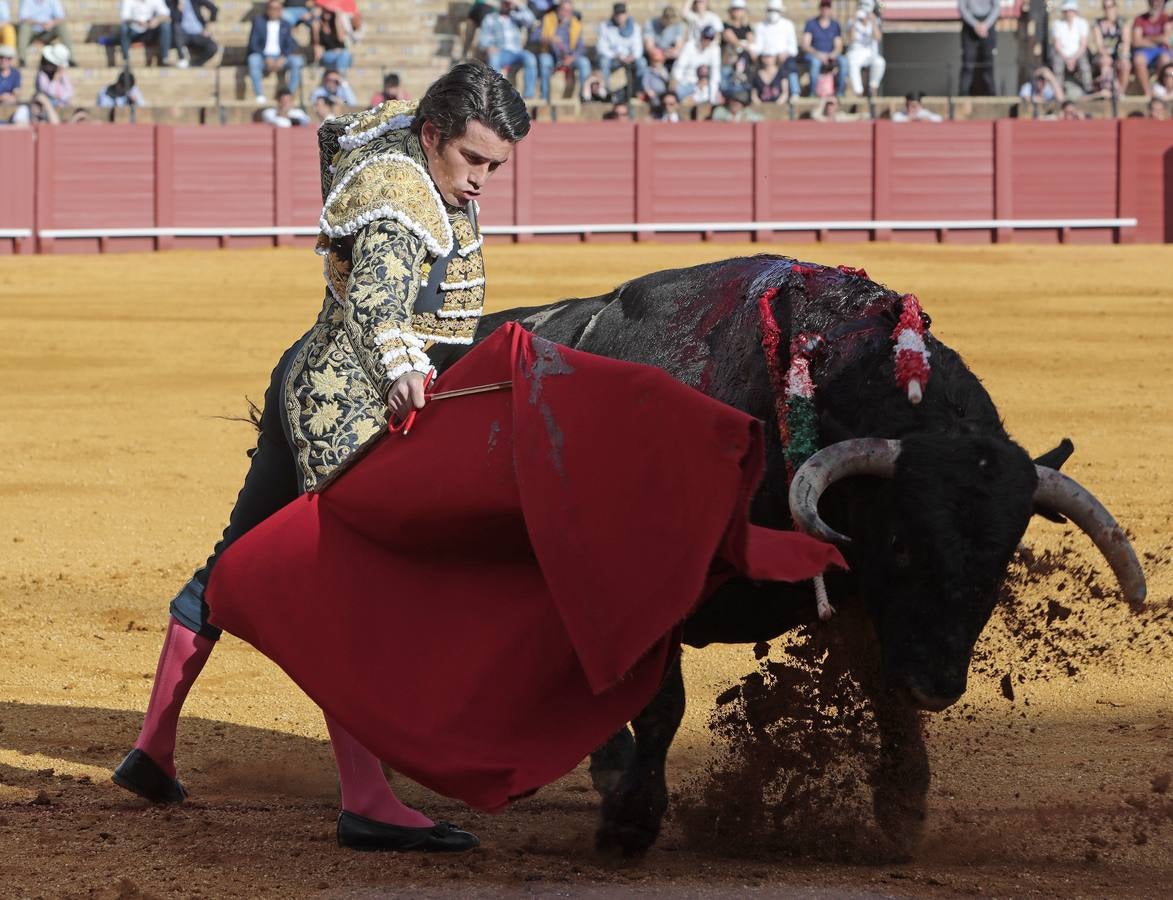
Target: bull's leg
609 762
631 815
901 782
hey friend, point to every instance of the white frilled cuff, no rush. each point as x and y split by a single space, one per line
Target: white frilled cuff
403 352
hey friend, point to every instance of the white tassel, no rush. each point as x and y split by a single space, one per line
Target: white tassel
826 610
914 392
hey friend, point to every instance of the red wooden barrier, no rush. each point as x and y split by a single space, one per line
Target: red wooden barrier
16 186
616 173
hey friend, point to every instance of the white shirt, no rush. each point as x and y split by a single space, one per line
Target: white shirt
613 44
1068 37
698 22
142 11
272 38
274 118
692 58
923 115
862 35
775 38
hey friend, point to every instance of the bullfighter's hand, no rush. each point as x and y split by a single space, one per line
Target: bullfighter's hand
406 394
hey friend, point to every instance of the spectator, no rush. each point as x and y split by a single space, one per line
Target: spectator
147 22
830 111
300 12
502 39
1104 80
9 76
42 21
979 46
769 81
735 109
562 48
1069 37
1158 110
7 29
331 36
863 51
776 37
285 114
697 16
391 91
271 48
52 81
690 83
822 44
657 76
914 110
189 28
1069 112
737 54
38 111
667 33
621 43
1163 86
619 111
332 96
1109 36
1150 43
123 92
1043 87
669 108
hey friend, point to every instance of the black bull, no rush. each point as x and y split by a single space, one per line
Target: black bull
934 496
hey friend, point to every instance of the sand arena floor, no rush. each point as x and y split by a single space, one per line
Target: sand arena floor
119 476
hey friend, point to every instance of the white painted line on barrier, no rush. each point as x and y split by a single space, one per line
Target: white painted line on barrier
17 233
625 228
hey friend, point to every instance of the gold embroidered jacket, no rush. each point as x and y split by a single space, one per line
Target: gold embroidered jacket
402 269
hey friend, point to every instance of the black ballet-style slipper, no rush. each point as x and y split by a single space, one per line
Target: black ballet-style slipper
360 833
141 775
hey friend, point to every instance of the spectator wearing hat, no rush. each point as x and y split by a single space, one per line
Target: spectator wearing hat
694 75
7 29
9 76
147 22
737 56
562 47
52 80
697 16
979 46
285 114
271 48
123 92
502 39
863 49
190 21
621 43
667 33
1069 37
914 110
1150 43
42 21
822 45
776 36
1043 88
735 109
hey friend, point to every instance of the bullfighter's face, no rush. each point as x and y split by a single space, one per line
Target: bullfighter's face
461 167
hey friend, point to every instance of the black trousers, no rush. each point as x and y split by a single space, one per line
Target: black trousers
979 57
270 483
200 47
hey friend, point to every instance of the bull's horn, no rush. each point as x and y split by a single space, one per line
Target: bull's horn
859 456
1067 496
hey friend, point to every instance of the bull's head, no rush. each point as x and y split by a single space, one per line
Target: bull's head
932 535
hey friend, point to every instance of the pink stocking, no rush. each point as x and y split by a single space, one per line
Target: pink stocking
365 792
180 662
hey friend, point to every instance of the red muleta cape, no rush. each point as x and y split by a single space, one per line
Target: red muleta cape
485 601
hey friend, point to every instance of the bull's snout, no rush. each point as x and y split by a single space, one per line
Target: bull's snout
932 702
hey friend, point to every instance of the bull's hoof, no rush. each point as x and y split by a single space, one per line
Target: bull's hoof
624 839
631 817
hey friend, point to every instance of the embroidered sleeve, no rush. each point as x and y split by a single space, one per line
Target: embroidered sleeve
387 263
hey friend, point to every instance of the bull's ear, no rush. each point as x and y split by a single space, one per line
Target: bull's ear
1054 459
